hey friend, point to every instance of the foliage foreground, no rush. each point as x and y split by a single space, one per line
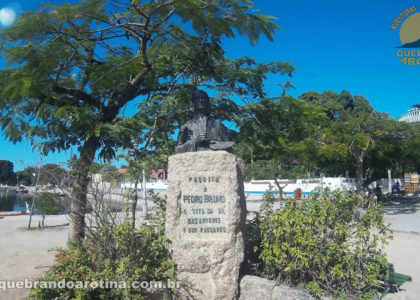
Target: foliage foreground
114 253
326 243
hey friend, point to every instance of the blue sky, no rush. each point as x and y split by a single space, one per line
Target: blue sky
334 45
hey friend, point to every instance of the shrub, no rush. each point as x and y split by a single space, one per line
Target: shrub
252 237
48 204
117 253
328 244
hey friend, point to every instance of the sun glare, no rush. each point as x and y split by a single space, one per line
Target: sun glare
7 16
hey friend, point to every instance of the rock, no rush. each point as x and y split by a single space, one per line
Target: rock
205 217
283 292
251 216
253 287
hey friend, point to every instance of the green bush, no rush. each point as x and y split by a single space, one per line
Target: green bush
328 244
48 204
118 253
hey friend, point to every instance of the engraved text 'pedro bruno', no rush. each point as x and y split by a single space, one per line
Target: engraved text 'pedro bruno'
206 213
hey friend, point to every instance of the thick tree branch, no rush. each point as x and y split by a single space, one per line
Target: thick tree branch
78 95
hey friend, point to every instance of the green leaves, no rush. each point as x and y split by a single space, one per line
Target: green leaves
281 130
327 244
221 18
98 76
73 68
7 176
114 253
326 133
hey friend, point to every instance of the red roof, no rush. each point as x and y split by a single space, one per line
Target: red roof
122 170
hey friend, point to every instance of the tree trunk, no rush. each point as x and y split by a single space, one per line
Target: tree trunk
359 170
79 191
280 188
134 205
31 212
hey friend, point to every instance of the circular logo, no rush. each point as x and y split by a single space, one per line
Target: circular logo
410 32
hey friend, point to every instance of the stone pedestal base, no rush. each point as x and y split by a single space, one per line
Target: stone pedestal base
205 216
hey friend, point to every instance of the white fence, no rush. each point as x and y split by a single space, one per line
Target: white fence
288 186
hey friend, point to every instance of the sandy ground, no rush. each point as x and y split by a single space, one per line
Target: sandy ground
404 249
26 254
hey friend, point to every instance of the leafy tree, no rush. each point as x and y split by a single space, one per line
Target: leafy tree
261 169
335 104
357 138
52 174
409 158
328 133
286 85
372 146
370 138
7 176
26 176
74 71
282 132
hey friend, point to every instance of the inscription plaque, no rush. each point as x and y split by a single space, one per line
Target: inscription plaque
204 215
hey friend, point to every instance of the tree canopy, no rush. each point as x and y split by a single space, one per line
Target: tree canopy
75 71
327 133
7 176
73 68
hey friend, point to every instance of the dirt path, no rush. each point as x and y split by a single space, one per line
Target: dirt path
24 254
403 251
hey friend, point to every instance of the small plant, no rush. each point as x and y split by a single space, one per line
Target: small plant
48 204
325 243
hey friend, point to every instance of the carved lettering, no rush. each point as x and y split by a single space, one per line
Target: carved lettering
204 179
204 199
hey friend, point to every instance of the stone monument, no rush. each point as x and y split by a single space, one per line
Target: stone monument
205 214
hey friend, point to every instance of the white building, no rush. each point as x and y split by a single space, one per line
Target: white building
412 116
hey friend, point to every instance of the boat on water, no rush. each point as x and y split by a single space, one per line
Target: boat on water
16 213
13 213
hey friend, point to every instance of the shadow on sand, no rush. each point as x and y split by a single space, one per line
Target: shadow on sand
394 205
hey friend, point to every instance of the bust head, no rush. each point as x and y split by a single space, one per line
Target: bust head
197 135
201 102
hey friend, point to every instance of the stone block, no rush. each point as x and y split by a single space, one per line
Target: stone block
205 216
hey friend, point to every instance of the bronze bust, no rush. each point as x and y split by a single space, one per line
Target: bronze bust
203 132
